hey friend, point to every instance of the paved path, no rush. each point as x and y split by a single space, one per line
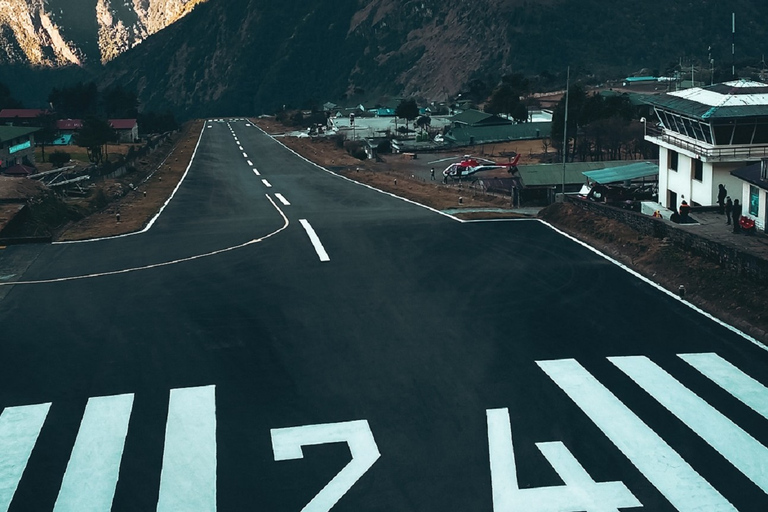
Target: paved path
283 339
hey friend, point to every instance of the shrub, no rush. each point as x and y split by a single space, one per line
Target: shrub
59 158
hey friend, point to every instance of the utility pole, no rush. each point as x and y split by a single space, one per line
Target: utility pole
565 126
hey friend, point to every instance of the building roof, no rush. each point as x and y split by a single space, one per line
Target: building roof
623 173
740 98
552 174
751 174
475 117
69 124
19 170
123 124
21 113
14 132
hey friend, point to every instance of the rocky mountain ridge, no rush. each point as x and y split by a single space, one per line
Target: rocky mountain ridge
76 32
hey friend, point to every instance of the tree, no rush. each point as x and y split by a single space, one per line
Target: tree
59 158
424 122
120 104
76 102
94 136
47 132
408 110
6 100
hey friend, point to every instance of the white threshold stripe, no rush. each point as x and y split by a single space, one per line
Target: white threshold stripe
91 478
256 172
749 391
266 183
19 430
315 240
282 199
685 489
188 477
737 446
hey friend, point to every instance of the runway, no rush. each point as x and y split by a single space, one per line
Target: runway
284 339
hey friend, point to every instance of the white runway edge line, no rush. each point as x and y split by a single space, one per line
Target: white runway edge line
563 233
737 446
91 477
19 429
362 184
157 215
285 225
685 489
315 240
657 286
188 477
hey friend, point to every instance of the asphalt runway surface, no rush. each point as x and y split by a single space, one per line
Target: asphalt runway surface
283 339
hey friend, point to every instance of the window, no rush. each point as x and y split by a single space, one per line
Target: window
672 160
754 200
698 170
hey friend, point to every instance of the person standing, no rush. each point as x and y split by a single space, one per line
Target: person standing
722 193
432 174
728 210
736 216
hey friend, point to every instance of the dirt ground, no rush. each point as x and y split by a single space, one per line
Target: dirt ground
162 170
734 298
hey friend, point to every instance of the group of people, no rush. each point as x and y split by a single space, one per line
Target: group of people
732 209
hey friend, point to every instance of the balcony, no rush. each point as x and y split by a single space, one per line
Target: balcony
706 152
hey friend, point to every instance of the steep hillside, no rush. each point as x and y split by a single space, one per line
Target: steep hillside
253 56
64 32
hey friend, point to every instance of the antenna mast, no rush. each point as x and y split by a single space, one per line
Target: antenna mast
733 44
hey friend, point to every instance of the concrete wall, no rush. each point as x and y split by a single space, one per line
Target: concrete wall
726 256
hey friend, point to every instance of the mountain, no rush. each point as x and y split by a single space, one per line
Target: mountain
63 32
234 57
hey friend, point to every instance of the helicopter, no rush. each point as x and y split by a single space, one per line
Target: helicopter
470 165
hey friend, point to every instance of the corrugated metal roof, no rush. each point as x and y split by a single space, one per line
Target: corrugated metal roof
623 173
751 174
552 174
741 98
14 132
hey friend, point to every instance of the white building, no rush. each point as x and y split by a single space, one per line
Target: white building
704 134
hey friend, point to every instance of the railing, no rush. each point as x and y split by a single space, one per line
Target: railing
742 152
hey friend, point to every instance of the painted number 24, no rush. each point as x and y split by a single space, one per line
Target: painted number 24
579 492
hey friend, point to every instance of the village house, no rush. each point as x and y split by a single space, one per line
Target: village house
712 135
17 150
21 116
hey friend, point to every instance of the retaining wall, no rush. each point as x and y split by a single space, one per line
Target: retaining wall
727 256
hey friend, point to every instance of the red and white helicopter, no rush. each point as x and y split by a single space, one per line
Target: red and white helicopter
470 165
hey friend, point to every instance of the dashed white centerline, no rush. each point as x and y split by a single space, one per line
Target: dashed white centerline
256 172
241 147
282 199
315 240
266 183
250 163
245 155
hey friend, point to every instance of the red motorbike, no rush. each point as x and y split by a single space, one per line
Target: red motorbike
747 225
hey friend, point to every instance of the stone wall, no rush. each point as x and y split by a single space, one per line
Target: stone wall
712 250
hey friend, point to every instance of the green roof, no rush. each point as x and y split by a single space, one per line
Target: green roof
14 132
475 117
623 173
552 174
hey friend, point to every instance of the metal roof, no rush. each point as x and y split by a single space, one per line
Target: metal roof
623 173
14 132
473 117
552 174
740 98
751 174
